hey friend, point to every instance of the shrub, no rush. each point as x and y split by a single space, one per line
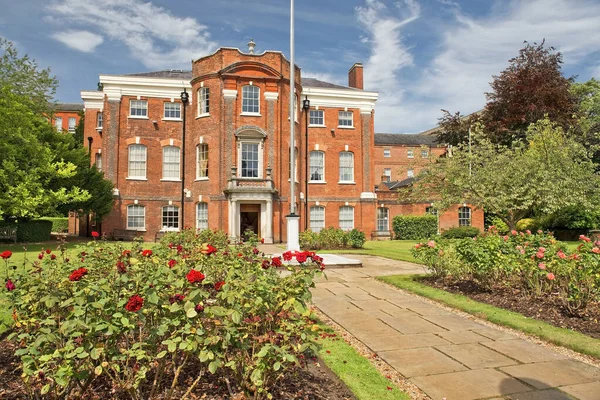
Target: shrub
413 227
498 223
134 318
32 231
460 232
527 224
59 224
356 238
310 240
571 218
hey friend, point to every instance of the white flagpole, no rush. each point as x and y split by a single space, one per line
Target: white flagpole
293 220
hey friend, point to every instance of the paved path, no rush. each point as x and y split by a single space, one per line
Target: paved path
445 354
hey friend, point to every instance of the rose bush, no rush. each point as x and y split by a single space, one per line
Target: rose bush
135 317
533 262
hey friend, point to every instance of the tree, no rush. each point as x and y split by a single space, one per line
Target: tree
532 87
546 172
454 128
587 131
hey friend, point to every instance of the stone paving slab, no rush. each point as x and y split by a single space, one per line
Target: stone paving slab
552 374
453 322
585 391
414 324
550 394
420 362
383 343
461 337
469 385
525 352
476 356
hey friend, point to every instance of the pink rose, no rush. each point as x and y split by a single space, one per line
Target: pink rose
561 255
431 243
542 266
513 232
550 276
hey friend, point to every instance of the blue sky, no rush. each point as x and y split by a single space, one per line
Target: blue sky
420 55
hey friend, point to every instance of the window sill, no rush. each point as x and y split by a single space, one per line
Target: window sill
170 230
346 183
345 127
136 229
99 128
317 182
173 119
170 180
317 126
201 179
249 114
203 115
136 117
133 178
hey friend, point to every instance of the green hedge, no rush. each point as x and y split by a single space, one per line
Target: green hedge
331 239
32 231
59 224
460 232
413 227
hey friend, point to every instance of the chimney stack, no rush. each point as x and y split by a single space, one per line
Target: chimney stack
355 76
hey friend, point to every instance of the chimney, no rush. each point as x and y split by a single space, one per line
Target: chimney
355 76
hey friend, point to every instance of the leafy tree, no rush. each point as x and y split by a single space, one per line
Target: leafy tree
454 128
531 87
587 131
547 172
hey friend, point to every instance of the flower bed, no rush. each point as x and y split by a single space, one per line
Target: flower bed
155 323
534 265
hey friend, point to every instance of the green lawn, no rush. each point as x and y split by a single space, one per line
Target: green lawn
560 336
394 249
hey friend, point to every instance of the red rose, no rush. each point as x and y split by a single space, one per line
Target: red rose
127 253
121 267
301 257
53 256
95 234
287 256
83 254
195 276
172 263
176 298
48 251
40 256
10 286
255 251
135 303
77 274
276 261
266 264
199 308
219 285
6 254
146 253
262 240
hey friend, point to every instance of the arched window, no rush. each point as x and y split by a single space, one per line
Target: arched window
317 166
137 161
383 219
171 155
201 216
136 217
317 218
201 161
250 99
464 216
170 218
346 166
346 218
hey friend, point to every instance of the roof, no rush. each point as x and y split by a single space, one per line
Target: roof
68 106
312 82
167 73
408 139
398 184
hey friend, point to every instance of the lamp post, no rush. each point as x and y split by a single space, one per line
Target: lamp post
306 108
185 97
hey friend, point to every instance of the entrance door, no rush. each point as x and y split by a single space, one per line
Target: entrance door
249 219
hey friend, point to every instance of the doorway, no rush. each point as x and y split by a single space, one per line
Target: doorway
249 219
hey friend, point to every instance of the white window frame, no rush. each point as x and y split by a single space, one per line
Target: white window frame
165 105
431 211
72 127
201 221
351 167
99 119
387 172
410 153
141 106
257 99
241 144
165 163
130 217
410 173
316 223
383 219
462 220
130 161
58 121
98 162
203 102
343 116
202 170
424 153
342 222
317 118
312 167
171 219
387 153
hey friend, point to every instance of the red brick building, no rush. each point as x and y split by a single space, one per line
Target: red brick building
400 158
66 116
236 163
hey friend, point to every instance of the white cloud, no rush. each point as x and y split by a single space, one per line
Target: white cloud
83 41
154 36
471 50
389 54
325 77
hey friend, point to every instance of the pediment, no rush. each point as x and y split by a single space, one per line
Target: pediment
250 132
251 68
